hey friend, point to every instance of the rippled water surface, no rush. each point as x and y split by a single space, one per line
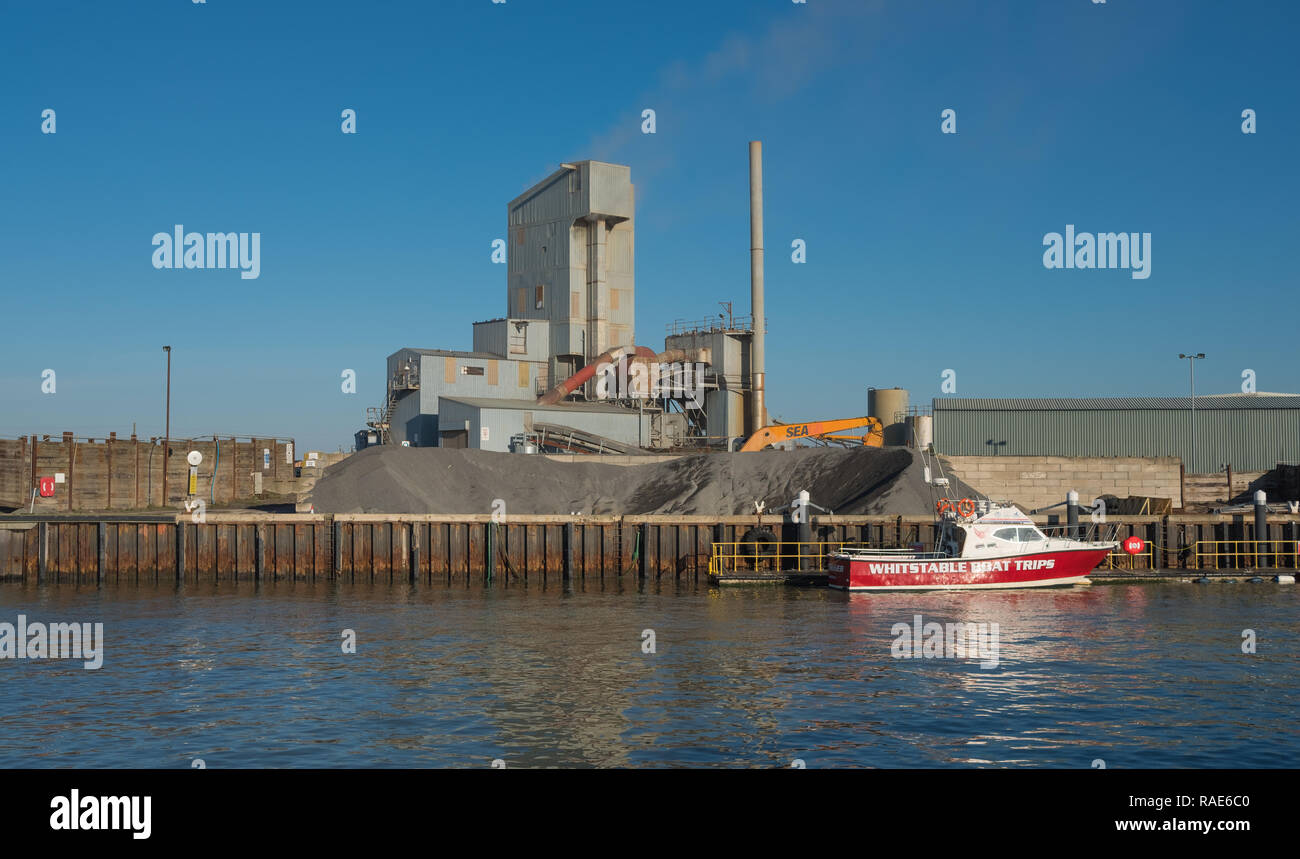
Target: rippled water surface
1136 675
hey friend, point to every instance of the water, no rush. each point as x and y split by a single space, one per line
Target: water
1135 675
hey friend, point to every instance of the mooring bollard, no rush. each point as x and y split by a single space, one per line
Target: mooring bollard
1261 528
1072 514
803 529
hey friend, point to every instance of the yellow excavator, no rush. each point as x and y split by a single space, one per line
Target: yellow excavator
776 433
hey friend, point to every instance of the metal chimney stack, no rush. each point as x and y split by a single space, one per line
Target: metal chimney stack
758 409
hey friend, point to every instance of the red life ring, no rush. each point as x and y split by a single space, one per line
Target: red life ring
966 508
942 505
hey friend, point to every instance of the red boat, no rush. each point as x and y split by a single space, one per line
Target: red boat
980 545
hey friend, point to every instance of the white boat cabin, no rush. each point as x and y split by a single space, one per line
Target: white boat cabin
996 530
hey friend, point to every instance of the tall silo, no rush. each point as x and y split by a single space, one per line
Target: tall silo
889 406
920 431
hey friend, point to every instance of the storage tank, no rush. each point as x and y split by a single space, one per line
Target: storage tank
920 431
889 406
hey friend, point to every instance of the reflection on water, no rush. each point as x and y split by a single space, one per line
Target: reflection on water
1138 675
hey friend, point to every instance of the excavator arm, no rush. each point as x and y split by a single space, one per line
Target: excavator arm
776 433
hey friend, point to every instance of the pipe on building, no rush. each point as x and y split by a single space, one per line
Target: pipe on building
700 355
758 408
597 291
580 378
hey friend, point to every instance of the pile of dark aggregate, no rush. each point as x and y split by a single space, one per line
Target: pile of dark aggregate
391 479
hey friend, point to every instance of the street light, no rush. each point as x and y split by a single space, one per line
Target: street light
1191 367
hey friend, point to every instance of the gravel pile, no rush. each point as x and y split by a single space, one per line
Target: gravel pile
445 480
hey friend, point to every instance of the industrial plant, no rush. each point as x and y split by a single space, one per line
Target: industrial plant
564 373
536 381
532 380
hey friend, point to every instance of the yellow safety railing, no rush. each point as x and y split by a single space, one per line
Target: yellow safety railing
1211 555
1242 554
773 556
1121 560
737 557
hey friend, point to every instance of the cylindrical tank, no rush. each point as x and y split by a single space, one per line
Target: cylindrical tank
889 406
920 431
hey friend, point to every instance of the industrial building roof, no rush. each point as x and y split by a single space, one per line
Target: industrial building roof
1207 401
452 353
531 405
563 171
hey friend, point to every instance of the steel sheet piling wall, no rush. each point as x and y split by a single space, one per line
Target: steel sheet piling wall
528 550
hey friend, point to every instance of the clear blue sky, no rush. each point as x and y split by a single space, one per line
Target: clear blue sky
924 250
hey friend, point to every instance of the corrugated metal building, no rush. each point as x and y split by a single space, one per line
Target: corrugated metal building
489 423
571 261
443 372
1249 432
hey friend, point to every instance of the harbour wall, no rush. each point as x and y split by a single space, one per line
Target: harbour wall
1040 481
103 474
469 549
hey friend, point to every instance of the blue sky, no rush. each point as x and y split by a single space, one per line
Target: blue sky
924 250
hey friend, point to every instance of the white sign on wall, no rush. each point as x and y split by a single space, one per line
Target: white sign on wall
482 433
288 453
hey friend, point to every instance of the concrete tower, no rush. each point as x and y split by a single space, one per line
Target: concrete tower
571 261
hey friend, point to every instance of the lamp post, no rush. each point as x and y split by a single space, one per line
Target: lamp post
167 437
1191 368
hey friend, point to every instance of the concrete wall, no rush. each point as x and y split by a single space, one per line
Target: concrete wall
1038 481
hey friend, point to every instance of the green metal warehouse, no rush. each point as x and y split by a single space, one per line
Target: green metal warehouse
1248 432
